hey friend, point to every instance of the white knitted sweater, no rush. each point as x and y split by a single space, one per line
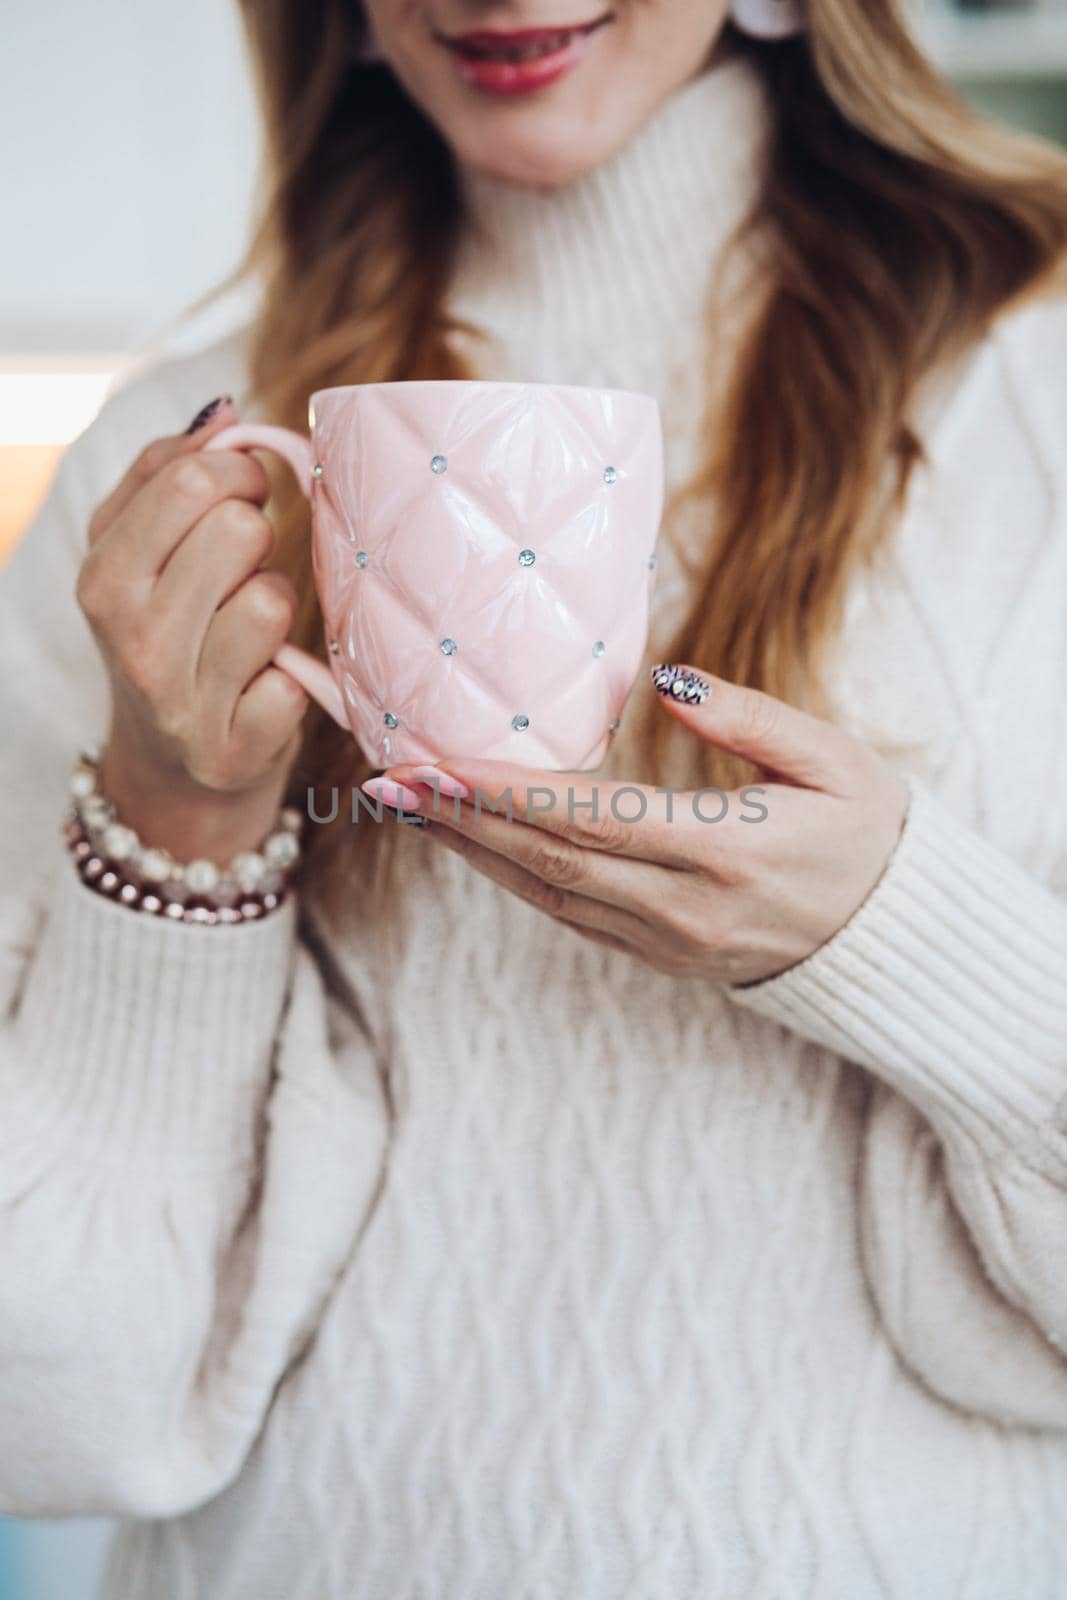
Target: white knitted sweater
512 1270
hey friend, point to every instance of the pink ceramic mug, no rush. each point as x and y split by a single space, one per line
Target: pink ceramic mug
483 554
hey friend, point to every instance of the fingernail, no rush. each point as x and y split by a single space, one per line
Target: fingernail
205 414
392 794
679 683
443 782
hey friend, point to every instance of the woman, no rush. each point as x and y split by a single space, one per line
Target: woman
523 1208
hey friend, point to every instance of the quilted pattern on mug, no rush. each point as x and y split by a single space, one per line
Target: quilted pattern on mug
484 556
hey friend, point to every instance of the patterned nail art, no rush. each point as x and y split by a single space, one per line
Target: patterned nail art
205 414
678 683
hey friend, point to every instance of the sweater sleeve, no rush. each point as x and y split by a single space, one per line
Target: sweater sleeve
191 1125
950 985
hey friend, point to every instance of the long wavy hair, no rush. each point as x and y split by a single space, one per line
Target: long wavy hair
899 224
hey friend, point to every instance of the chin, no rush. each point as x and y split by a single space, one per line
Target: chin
542 162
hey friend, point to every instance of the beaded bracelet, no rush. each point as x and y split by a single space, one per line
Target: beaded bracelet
111 859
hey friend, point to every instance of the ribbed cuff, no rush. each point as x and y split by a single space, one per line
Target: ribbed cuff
140 1038
950 983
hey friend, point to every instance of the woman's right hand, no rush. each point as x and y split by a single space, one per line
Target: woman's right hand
203 729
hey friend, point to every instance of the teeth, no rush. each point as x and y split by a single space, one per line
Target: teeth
521 52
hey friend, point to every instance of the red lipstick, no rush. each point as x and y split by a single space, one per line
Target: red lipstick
519 61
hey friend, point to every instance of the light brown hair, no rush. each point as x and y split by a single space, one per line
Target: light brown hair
896 225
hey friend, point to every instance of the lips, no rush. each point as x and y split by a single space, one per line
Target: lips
501 62
526 44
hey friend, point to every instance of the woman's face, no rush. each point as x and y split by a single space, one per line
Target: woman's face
539 91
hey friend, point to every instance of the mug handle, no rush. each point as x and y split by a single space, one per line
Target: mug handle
313 676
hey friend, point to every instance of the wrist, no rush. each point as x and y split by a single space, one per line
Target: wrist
170 811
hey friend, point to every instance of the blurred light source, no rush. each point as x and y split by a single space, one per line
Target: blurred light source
45 403
26 472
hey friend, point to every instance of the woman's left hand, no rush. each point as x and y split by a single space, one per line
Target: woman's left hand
734 886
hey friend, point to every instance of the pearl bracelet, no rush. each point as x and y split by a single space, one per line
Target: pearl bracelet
111 859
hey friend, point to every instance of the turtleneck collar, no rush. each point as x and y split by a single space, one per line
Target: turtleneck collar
636 237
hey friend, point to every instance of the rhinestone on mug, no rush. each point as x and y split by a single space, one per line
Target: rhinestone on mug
610 475
361 558
598 648
317 470
438 463
613 725
526 558
448 647
520 723
335 648
390 719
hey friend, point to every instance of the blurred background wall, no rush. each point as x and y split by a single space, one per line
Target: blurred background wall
127 155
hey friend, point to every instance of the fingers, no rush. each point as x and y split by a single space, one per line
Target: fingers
148 532
209 420
596 937
785 742
243 635
186 619
121 602
266 721
624 819
566 869
119 571
220 552
614 922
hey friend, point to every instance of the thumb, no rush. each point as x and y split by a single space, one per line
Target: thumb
785 742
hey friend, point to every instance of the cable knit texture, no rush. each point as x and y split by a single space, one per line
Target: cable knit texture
505 1267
